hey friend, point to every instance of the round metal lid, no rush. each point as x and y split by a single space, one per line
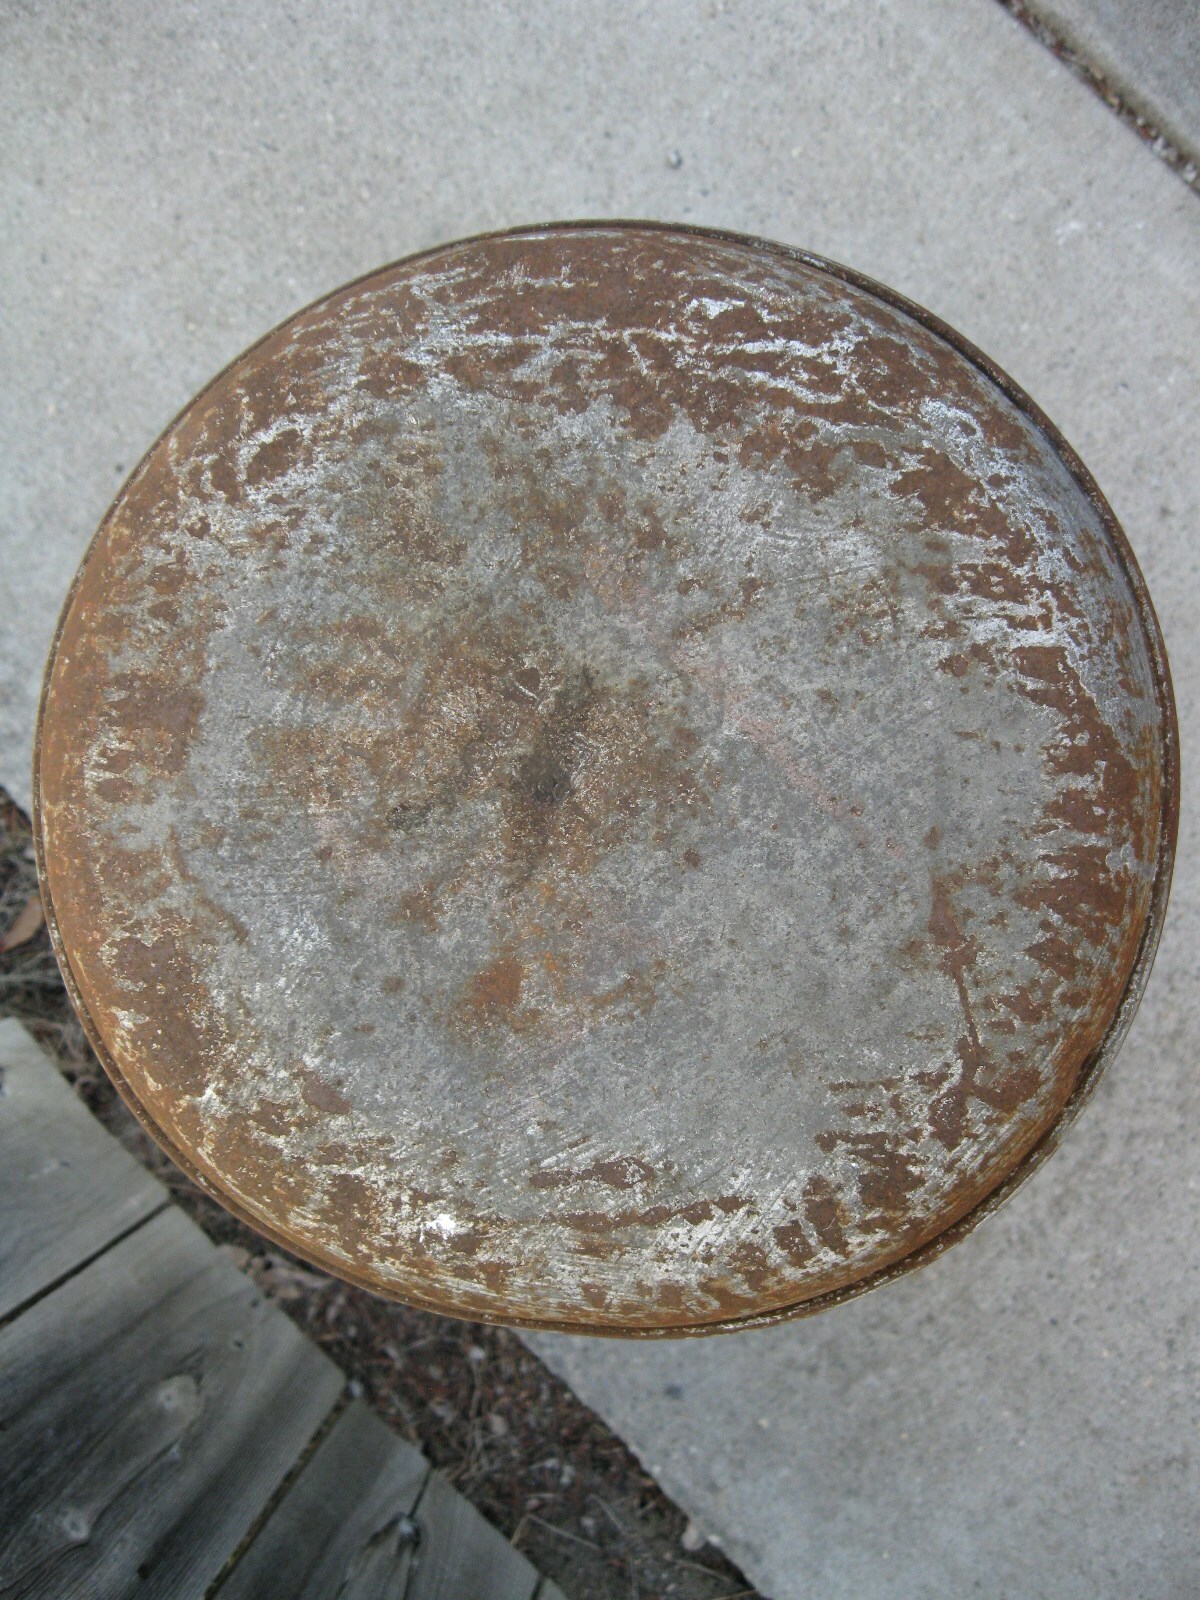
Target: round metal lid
609 777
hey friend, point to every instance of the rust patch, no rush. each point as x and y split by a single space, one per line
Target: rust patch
619 1172
323 1096
497 987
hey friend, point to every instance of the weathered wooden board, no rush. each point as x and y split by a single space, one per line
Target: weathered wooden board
342 1528
462 1556
149 1408
67 1189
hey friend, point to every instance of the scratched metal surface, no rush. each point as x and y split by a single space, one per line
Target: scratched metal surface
608 777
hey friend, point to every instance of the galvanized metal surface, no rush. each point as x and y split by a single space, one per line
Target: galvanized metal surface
608 777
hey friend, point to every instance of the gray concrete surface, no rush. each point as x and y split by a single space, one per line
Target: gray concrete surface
1148 50
1021 1419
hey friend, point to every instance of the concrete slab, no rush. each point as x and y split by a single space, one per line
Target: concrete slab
1148 50
1021 1418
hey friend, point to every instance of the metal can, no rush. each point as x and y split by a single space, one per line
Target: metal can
608 777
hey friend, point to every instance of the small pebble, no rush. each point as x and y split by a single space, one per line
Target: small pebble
693 1538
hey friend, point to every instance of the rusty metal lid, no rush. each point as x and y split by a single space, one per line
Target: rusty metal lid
609 777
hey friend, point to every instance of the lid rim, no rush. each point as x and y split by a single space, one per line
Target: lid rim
1089 1071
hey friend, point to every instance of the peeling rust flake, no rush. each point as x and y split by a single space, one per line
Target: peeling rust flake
608 777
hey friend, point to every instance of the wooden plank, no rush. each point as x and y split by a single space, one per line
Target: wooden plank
149 1408
67 1188
461 1556
343 1528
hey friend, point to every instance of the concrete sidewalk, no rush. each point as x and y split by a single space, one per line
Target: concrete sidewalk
1148 51
1020 1419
